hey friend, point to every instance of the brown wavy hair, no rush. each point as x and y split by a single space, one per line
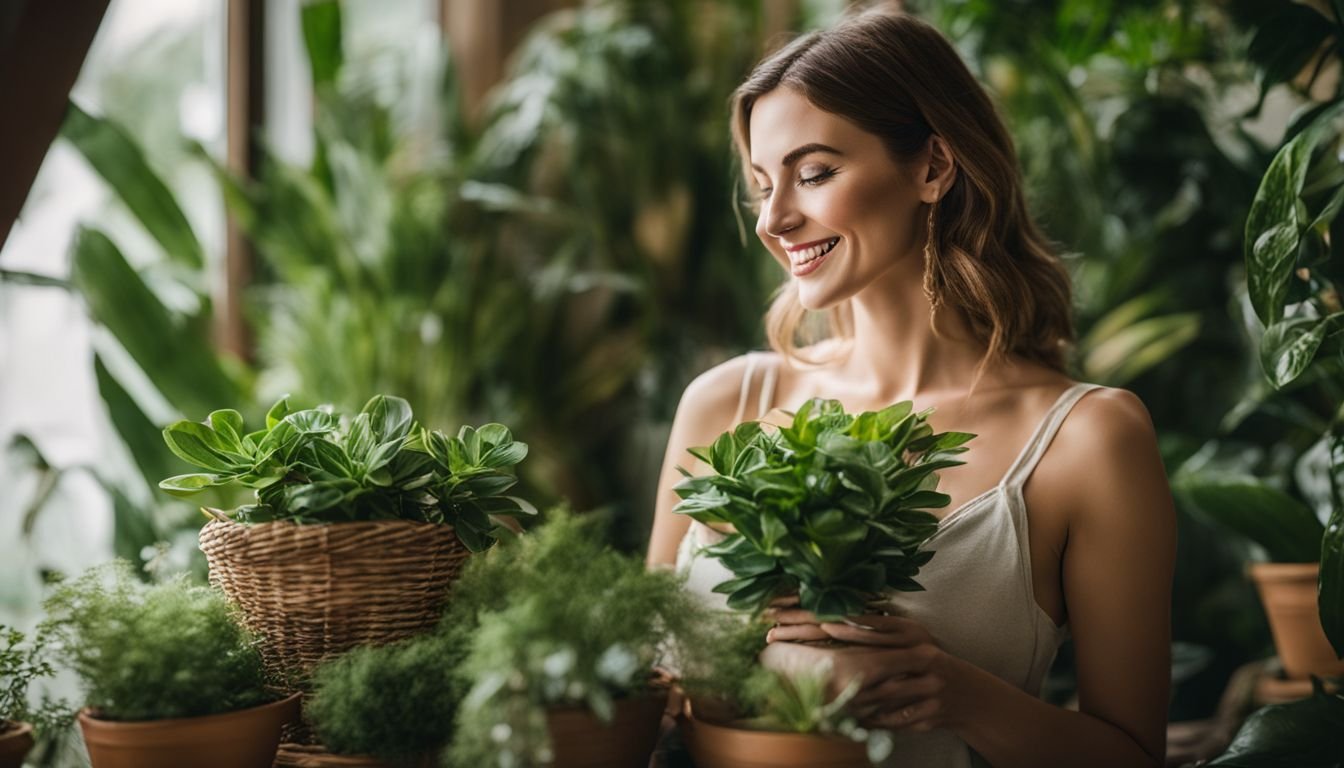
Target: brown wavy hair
898 78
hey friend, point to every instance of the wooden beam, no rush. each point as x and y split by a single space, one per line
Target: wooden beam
481 35
246 89
41 53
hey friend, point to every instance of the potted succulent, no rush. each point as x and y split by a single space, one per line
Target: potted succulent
170 676
560 658
1290 534
831 508
358 527
390 706
21 663
739 714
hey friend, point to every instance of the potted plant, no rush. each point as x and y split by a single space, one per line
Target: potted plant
831 508
21 663
739 714
560 658
170 677
388 706
1291 536
358 527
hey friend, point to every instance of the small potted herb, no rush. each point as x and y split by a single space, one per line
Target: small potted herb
740 714
560 662
22 661
831 508
169 675
358 526
392 704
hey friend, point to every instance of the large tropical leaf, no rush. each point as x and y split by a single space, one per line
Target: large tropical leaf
1284 526
122 164
174 354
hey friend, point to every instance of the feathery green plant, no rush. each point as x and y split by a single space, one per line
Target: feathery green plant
564 620
396 701
153 652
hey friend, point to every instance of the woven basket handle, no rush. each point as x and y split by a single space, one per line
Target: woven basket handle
216 514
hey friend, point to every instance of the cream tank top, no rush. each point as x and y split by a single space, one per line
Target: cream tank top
978 600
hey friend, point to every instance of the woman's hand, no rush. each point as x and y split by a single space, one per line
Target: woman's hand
906 681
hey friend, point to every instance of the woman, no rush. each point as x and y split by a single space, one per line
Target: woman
890 195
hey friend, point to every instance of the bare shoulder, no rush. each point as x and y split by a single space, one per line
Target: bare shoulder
1108 438
714 394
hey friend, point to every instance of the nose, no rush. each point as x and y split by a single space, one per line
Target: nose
778 215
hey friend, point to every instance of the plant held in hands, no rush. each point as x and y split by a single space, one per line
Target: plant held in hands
831 507
314 466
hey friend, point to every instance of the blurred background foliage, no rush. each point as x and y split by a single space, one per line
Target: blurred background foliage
567 263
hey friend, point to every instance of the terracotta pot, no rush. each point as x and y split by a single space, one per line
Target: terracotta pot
580 740
244 739
14 744
298 756
719 745
1288 591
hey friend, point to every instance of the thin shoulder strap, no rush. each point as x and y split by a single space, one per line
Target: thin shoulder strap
1035 448
768 389
746 389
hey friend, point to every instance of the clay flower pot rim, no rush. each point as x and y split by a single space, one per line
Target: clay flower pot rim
10 728
1284 571
87 716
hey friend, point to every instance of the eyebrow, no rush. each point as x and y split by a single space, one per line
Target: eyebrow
807 149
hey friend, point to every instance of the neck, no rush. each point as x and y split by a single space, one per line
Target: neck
895 350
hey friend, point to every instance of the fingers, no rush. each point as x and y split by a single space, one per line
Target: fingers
791 616
877 630
900 691
796 633
785 601
916 717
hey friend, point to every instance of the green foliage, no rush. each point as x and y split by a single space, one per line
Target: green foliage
395 701
1293 268
1285 527
153 652
562 620
21 664
312 466
1299 734
830 507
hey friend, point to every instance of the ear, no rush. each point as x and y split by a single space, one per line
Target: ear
940 172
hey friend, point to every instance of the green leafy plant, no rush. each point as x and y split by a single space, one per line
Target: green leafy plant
153 652
1281 524
396 701
831 507
313 466
24 661
1301 734
564 621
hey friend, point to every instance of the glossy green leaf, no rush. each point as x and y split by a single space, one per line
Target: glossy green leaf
1286 528
118 159
1299 734
1272 227
1331 596
1289 346
189 485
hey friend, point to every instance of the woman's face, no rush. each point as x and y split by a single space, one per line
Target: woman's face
837 212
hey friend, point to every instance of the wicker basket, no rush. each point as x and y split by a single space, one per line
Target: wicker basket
312 592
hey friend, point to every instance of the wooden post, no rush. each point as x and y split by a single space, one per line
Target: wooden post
246 88
481 36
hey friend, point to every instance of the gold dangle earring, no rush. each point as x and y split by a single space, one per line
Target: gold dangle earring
928 263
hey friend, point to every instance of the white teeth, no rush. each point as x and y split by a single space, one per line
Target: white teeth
815 252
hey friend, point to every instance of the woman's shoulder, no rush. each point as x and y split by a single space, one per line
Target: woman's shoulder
1108 437
712 397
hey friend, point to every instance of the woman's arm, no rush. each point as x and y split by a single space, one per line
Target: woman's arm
1117 570
707 406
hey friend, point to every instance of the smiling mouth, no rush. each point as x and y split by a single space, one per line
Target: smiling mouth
801 258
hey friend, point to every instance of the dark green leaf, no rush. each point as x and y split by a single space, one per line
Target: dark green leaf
322 39
1284 526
